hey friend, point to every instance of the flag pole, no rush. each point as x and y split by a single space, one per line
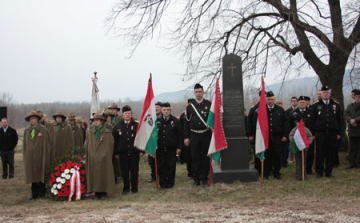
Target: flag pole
314 162
303 166
210 172
156 172
262 170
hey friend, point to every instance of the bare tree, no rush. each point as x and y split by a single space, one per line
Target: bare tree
287 35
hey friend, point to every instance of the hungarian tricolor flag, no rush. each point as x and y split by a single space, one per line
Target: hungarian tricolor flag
262 126
95 101
300 140
218 141
147 134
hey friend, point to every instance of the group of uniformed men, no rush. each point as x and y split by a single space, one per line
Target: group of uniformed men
110 151
324 120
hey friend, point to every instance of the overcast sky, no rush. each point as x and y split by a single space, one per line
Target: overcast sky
50 49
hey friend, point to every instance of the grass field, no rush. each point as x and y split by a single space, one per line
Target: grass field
325 200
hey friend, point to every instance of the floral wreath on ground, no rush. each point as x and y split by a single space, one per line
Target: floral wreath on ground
66 178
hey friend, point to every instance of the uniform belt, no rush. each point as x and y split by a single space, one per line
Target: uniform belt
199 131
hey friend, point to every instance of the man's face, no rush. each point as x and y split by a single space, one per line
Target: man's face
59 119
357 99
97 122
199 94
158 109
113 111
72 122
127 115
302 104
34 120
270 101
325 95
319 95
294 102
108 118
4 123
166 111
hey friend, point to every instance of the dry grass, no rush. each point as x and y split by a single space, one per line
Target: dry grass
325 200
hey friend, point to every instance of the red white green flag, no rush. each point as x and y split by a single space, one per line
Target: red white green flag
218 141
147 134
300 140
262 126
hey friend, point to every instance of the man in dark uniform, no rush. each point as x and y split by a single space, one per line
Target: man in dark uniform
307 100
294 103
169 144
124 135
326 118
186 151
198 135
304 113
8 142
352 117
151 160
278 134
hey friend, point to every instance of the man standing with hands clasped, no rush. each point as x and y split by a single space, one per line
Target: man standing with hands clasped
198 135
326 118
169 144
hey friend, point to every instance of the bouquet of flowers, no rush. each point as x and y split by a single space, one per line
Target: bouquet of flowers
67 177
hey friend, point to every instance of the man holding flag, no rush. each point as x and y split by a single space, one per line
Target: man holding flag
300 138
197 134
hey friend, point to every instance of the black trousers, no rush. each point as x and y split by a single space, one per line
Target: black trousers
151 161
187 156
274 156
325 152
38 189
166 161
199 143
354 153
310 158
8 160
129 164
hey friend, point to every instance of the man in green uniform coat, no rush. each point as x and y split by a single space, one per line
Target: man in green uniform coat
99 152
36 151
64 138
77 132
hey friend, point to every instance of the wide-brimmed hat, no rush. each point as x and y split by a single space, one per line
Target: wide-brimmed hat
71 116
40 113
98 116
114 106
59 113
107 112
32 114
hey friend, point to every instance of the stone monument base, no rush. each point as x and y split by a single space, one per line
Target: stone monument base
229 176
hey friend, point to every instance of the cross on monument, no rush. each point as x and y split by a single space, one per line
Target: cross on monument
232 67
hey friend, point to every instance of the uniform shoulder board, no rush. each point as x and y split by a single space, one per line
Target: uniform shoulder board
336 101
316 102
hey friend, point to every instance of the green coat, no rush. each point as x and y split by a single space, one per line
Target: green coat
64 140
99 167
78 135
36 153
353 112
49 127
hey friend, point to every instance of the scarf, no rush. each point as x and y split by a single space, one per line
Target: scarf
97 130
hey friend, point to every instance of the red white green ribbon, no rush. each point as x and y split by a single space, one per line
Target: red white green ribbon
75 185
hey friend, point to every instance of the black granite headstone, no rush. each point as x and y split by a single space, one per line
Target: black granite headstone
234 163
